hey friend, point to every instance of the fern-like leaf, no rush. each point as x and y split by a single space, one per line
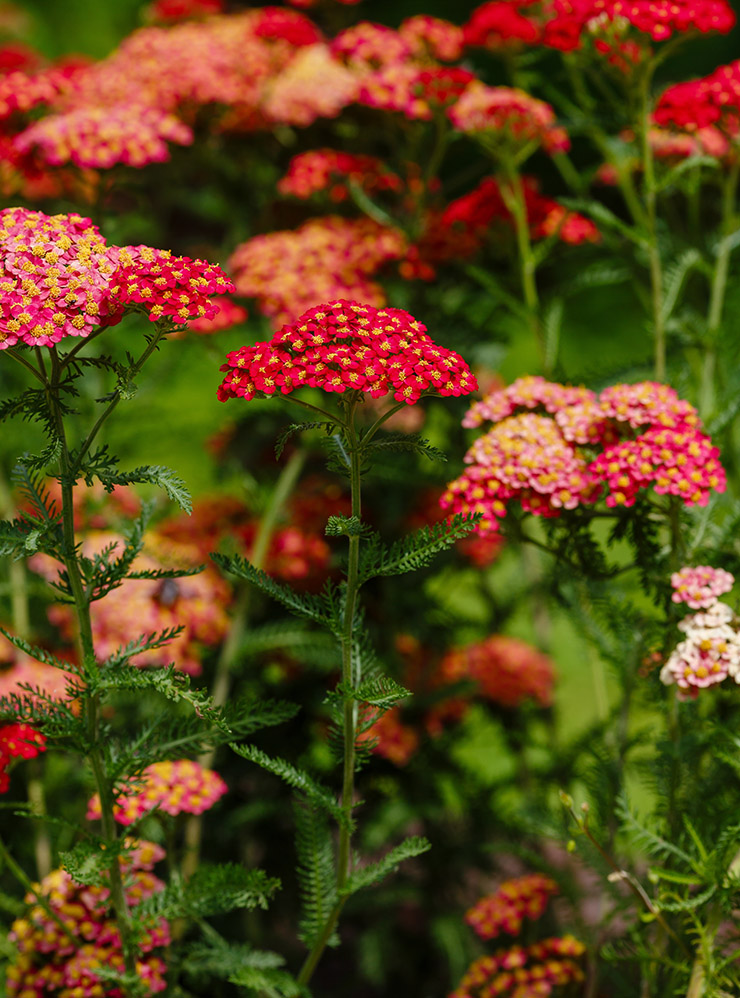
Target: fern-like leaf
299 779
417 550
406 442
373 872
212 890
287 433
316 871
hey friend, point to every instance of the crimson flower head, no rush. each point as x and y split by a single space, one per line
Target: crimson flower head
344 346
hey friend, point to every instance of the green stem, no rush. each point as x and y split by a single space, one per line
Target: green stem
160 331
89 663
33 889
718 290
227 658
655 261
512 191
698 980
349 680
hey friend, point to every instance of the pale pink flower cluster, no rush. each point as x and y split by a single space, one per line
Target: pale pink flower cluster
183 786
646 436
700 586
709 653
508 113
52 963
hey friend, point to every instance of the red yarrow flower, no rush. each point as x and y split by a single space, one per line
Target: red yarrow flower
506 909
18 741
343 346
510 114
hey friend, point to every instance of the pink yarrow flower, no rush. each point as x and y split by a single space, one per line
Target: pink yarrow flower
700 586
173 787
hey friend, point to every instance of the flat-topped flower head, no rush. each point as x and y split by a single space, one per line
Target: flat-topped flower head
700 586
506 909
347 346
54 277
58 277
509 114
645 434
173 787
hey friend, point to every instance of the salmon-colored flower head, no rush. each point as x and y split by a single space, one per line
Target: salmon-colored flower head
173 787
344 346
511 114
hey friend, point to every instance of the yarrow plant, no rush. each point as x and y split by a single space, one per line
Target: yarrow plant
349 350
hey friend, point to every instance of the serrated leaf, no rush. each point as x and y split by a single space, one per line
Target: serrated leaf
374 872
316 871
382 692
406 442
287 433
417 550
343 526
299 779
322 609
159 475
270 983
211 890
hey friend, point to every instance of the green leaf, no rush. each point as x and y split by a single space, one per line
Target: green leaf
299 779
211 890
165 478
284 435
601 214
382 692
323 609
269 983
690 163
316 872
674 278
417 550
374 872
406 442
344 526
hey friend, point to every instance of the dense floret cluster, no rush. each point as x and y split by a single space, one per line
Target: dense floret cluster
325 259
58 278
56 962
17 741
647 436
506 670
699 587
510 904
705 111
183 786
347 346
534 971
513 116
332 171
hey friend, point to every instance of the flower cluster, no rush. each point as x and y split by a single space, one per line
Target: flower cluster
506 670
513 116
167 287
502 23
101 137
177 787
293 555
326 258
18 741
416 91
24 678
524 971
59 278
367 46
56 962
389 737
700 586
331 170
344 346
432 37
314 85
510 904
706 111
647 435
709 653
